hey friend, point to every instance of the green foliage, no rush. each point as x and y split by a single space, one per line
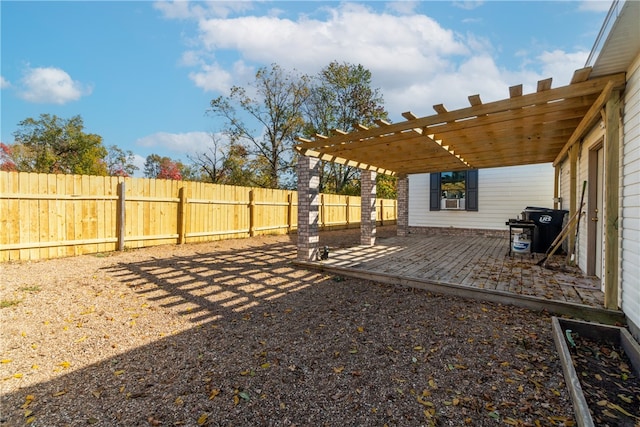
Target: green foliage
276 111
340 98
54 145
386 186
120 162
158 167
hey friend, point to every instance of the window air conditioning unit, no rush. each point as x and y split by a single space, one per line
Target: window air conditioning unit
452 203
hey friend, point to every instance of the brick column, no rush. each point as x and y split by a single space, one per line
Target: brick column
308 202
368 208
403 206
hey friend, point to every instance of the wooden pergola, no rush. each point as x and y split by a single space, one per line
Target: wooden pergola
546 126
522 129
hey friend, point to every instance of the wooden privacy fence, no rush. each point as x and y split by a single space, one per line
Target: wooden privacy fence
47 216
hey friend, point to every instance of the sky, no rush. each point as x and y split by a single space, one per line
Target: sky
141 74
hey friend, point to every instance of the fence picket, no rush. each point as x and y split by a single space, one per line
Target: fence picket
53 215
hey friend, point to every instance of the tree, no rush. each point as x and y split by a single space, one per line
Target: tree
276 109
340 98
55 145
163 168
7 162
120 162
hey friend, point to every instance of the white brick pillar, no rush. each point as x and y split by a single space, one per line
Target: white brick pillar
368 208
308 203
403 206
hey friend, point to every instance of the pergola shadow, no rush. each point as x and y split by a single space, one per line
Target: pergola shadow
478 267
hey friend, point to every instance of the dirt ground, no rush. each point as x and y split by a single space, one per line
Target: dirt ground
231 333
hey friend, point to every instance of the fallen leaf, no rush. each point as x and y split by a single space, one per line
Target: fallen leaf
5 361
214 393
203 419
59 393
64 364
119 372
338 370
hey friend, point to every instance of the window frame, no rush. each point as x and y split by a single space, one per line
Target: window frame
471 191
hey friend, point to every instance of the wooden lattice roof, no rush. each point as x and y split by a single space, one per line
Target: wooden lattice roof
522 129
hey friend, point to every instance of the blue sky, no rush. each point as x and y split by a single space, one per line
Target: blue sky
141 73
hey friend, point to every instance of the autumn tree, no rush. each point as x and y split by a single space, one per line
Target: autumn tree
159 167
341 97
51 144
7 162
120 162
273 103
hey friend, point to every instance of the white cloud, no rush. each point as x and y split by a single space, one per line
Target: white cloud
595 5
411 48
468 5
180 143
560 65
50 85
404 7
139 161
415 61
4 83
180 9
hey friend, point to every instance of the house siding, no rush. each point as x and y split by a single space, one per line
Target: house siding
502 194
630 203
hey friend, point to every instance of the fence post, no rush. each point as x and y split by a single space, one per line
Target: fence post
289 213
182 216
252 211
347 213
322 212
120 223
381 212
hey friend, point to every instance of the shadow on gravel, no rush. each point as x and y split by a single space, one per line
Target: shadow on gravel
276 345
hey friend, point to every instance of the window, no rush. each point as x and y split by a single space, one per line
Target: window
454 191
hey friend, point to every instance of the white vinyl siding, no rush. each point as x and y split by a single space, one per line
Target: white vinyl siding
503 193
630 204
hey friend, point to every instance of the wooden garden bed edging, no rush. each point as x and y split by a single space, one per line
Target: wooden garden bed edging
598 332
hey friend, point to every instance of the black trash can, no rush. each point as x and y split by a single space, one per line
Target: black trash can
549 225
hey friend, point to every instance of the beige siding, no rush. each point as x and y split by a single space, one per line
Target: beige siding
502 194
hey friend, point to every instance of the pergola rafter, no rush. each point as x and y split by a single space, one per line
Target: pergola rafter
519 130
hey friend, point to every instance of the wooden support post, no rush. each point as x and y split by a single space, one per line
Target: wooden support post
611 201
252 212
323 213
182 216
381 212
573 189
556 187
120 223
289 213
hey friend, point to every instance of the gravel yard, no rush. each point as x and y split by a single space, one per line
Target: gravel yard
230 333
